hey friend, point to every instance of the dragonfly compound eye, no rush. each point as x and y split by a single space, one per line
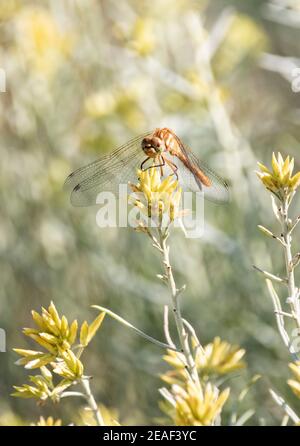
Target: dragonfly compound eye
152 146
146 144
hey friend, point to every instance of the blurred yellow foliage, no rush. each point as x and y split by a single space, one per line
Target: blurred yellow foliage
295 383
50 421
100 104
9 418
142 36
8 9
244 38
104 103
41 41
110 416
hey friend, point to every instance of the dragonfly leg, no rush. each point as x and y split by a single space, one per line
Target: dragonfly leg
173 167
155 165
144 163
161 166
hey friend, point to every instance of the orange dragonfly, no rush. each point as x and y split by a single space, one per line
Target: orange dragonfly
162 149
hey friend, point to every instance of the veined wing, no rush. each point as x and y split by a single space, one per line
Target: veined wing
217 192
106 173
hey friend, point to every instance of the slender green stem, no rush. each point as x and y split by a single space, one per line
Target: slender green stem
85 382
182 333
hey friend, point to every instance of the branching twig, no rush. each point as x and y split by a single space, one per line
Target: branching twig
269 275
279 319
182 334
166 326
286 232
91 401
281 402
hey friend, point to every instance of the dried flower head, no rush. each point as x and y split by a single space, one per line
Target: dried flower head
279 180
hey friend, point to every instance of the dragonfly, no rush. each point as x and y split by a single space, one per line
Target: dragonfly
161 149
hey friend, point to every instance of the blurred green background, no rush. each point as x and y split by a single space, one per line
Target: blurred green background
84 76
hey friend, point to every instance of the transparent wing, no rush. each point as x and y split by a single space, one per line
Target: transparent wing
217 192
105 174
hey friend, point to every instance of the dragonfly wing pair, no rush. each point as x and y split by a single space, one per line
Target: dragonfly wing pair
119 167
217 191
105 174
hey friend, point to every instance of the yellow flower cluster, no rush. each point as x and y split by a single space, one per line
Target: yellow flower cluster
57 337
280 180
155 197
295 383
195 406
216 358
52 333
219 357
42 387
199 405
50 421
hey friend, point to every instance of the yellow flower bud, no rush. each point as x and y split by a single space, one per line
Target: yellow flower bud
280 180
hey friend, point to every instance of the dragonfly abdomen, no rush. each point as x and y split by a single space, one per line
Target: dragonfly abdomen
195 170
172 144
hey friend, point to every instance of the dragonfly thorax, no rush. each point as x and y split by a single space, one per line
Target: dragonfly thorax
153 146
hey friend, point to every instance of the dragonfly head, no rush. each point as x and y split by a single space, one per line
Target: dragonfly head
153 146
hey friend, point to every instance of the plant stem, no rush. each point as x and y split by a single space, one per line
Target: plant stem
137 330
293 292
182 333
91 401
281 402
